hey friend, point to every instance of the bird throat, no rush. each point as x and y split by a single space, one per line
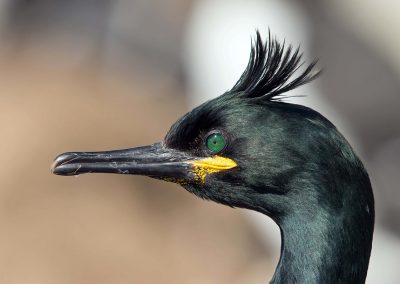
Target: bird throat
325 249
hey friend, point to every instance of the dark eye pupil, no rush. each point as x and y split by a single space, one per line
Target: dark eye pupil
215 142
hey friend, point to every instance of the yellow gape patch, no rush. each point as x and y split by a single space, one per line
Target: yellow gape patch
214 164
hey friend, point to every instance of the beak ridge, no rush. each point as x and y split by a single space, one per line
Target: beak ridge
152 160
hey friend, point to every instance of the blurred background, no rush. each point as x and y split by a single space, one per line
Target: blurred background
102 74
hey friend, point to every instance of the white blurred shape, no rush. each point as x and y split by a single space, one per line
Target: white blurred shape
218 40
384 262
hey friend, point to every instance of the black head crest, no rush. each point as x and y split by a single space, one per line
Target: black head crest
270 70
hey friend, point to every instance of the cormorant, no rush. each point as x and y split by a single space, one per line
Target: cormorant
248 149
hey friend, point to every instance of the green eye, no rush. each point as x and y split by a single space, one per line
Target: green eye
215 142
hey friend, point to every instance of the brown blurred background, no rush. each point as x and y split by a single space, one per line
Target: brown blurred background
102 74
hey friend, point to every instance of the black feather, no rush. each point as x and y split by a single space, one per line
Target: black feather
270 70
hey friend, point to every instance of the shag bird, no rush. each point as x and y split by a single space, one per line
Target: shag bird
247 148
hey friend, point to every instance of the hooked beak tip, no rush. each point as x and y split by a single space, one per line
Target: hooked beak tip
59 161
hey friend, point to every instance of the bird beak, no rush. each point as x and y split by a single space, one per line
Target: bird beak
154 161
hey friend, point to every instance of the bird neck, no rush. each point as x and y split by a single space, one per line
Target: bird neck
322 246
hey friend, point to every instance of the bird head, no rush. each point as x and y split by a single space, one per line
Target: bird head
244 148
